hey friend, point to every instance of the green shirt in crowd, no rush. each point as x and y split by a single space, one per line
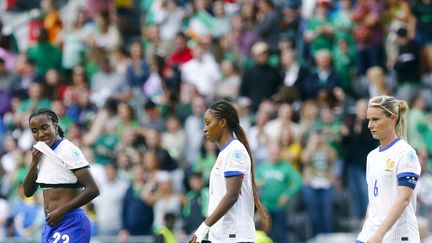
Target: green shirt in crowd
46 56
277 180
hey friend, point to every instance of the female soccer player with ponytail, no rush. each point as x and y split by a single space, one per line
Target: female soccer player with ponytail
233 194
392 171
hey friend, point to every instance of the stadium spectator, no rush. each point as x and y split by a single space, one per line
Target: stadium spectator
278 182
38 53
356 144
113 191
260 81
319 191
137 211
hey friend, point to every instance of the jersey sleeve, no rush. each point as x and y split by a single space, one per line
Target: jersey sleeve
74 158
236 164
408 170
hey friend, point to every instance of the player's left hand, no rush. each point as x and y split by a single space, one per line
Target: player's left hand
193 239
200 233
54 217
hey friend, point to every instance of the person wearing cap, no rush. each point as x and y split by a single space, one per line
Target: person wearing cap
407 65
260 81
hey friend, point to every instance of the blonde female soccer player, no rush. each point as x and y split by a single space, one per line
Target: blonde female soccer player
392 171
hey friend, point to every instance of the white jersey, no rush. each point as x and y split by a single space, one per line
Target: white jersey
387 168
58 163
237 225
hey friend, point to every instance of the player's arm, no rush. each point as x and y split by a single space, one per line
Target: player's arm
76 162
233 186
30 186
367 212
89 192
399 205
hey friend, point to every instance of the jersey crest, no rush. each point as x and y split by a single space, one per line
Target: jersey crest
218 163
389 165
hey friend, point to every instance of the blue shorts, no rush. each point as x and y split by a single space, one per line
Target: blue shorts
74 228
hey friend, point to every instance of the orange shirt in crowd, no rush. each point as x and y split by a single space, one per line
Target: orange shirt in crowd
53 24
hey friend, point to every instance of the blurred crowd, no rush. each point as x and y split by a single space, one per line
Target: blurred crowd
131 79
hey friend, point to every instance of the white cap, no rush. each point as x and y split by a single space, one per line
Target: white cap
259 48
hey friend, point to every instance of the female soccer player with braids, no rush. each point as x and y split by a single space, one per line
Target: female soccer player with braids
233 194
60 169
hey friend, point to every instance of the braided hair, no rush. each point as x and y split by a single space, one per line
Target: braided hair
52 116
225 110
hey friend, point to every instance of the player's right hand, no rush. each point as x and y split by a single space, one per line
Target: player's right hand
36 156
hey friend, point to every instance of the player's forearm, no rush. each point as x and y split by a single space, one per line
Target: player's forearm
225 204
30 185
84 197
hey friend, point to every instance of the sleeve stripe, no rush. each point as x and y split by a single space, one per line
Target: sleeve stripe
407 184
407 174
233 173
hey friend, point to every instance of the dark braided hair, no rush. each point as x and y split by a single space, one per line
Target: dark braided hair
225 110
52 116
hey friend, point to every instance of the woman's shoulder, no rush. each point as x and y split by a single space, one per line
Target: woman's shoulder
66 147
236 145
402 146
66 144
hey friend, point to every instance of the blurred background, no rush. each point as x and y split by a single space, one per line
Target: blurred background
131 79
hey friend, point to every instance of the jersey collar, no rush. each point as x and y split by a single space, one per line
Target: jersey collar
56 143
223 147
382 149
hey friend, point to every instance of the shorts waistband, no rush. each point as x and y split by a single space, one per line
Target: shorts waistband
73 212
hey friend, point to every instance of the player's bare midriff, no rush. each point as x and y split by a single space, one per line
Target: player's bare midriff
56 197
